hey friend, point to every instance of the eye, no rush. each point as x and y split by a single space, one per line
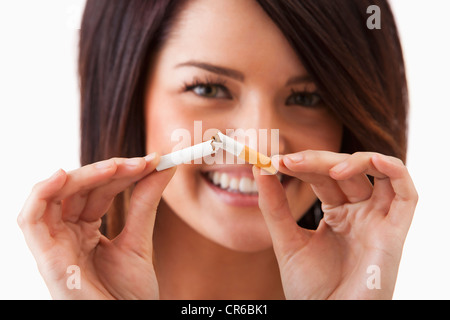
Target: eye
209 90
304 99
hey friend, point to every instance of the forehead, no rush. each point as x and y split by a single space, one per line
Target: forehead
235 33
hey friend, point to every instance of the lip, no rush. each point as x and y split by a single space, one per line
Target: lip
236 199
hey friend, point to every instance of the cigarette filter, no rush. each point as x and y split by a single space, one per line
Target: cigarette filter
243 152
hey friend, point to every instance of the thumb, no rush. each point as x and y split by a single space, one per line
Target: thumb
137 234
285 233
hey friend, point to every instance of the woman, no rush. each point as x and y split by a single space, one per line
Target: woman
312 69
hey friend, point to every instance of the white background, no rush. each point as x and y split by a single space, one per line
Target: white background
39 132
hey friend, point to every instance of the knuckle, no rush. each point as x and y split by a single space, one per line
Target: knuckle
363 155
309 154
140 201
37 187
20 220
415 196
101 164
398 161
116 160
278 206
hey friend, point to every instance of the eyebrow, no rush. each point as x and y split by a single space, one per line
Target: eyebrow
215 69
299 79
236 74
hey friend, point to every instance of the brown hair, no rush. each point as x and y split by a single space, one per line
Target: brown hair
359 72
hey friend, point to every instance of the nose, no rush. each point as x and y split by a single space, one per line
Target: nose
259 121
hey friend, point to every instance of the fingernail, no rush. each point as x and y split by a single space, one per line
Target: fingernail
53 176
295 157
104 164
133 162
150 157
276 158
256 170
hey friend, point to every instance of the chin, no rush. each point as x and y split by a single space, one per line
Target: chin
244 234
220 203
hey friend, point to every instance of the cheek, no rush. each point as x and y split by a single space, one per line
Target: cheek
324 133
182 190
162 127
167 125
333 131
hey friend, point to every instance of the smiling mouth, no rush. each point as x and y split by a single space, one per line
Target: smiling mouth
240 184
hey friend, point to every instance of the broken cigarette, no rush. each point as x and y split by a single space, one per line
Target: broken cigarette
186 155
210 147
243 152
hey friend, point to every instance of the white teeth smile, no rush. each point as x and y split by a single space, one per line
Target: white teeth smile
235 184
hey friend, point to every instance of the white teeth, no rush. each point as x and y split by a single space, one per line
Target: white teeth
224 181
245 185
216 177
235 184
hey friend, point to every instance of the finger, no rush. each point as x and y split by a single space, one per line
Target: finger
357 188
404 203
31 218
274 206
35 205
86 178
314 161
137 234
90 205
100 199
360 164
351 176
92 182
382 195
394 191
313 168
357 163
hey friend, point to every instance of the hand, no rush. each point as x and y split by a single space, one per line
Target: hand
61 219
364 225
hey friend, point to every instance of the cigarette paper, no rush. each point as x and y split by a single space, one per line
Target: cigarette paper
243 152
186 155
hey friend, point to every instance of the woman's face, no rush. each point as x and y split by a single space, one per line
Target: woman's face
227 65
